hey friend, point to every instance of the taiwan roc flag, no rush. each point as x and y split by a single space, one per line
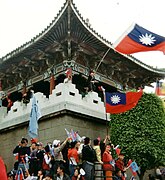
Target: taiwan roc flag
138 39
121 102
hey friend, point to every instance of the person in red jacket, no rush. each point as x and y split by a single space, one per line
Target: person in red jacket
73 157
78 175
107 158
120 165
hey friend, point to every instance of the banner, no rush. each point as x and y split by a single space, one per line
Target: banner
34 117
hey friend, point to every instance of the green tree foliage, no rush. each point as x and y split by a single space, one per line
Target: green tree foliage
140 132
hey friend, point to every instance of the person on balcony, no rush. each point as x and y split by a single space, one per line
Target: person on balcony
91 81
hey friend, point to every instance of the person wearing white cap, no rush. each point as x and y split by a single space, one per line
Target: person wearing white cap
58 157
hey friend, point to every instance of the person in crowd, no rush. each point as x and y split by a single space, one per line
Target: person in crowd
158 173
120 164
40 175
52 158
77 174
88 158
40 155
61 173
151 177
73 157
28 176
48 177
65 157
103 144
107 166
98 162
79 146
58 156
10 175
46 165
33 166
117 174
23 152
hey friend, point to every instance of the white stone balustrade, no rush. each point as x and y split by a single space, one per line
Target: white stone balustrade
64 96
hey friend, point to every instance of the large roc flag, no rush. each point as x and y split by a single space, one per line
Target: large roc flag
34 117
120 102
138 39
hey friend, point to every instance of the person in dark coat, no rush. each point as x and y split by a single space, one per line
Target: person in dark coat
91 81
23 152
61 173
88 158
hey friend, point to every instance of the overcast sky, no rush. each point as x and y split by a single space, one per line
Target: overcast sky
21 20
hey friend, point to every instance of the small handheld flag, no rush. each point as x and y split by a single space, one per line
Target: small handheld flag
138 39
130 166
19 174
73 135
112 162
117 150
134 166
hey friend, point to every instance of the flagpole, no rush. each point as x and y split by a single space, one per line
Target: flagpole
102 58
106 118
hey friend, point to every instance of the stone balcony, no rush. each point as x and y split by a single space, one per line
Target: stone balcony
65 96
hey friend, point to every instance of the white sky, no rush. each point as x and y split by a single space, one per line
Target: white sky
21 20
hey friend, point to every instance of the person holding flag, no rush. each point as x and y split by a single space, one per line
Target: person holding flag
58 156
91 81
107 159
119 163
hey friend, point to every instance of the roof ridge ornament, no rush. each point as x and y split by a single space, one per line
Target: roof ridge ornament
69 63
69 1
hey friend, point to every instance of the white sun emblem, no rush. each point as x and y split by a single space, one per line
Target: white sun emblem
115 99
147 39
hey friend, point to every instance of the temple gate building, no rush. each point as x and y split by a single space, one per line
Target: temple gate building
68 42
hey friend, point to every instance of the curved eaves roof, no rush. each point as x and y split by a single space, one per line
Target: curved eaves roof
81 32
47 30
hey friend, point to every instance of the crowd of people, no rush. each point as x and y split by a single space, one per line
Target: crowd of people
68 160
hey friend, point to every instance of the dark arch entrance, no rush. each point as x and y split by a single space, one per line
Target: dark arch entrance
43 87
